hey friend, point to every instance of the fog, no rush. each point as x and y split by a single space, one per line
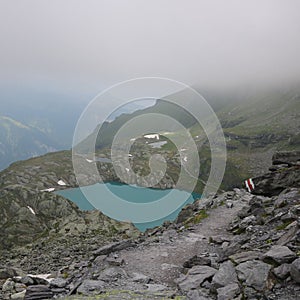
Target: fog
79 46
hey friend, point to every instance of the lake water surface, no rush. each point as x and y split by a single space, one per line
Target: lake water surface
129 193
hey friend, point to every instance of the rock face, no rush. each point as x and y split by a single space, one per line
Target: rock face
288 157
286 175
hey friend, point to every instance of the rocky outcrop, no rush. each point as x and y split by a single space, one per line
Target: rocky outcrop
283 174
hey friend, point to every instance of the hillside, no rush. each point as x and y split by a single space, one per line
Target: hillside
255 125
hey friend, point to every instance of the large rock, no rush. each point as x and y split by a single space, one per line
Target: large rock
91 287
195 277
283 271
279 254
273 183
228 292
225 276
295 270
254 274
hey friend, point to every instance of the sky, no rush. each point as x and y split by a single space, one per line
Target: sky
83 46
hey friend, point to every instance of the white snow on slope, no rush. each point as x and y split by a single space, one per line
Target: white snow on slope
61 182
31 210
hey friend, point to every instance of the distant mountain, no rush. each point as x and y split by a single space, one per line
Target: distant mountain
19 141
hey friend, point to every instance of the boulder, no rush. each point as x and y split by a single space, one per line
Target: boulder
254 273
228 292
225 276
286 157
283 271
279 254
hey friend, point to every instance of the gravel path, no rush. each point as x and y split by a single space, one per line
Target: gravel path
169 251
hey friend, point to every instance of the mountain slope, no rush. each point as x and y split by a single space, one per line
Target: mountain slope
255 124
20 141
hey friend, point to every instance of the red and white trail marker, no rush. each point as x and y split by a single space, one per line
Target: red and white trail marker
250 185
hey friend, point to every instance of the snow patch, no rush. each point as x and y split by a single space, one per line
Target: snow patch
61 182
48 190
31 210
152 136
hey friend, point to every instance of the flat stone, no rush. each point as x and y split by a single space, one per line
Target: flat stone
228 292
295 270
280 254
195 277
91 287
254 273
245 256
225 276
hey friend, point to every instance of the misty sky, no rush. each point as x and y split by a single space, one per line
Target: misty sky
84 45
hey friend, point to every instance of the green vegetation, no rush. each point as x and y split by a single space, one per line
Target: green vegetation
197 218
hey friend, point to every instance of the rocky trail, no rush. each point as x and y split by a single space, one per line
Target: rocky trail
235 245
168 251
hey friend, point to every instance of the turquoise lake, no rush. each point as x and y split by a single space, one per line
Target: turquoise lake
129 193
